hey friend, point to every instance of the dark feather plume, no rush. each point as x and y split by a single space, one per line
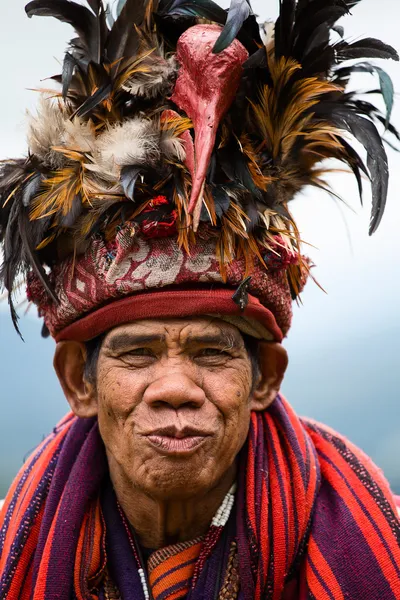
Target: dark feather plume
292 111
82 20
239 11
123 41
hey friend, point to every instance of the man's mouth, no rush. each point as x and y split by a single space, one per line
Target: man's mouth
171 440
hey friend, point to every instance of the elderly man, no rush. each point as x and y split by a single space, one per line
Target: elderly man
150 219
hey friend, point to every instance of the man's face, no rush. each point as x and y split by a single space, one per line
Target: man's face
173 403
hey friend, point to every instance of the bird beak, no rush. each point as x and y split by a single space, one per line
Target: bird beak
205 131
206 86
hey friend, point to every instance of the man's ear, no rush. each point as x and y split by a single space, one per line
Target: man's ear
273 360
69 363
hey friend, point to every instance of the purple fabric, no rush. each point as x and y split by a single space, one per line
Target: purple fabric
123 566
83 484
66 460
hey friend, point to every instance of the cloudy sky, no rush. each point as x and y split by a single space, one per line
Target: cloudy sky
359 273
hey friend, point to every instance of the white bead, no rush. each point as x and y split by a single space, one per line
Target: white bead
222 515
144 584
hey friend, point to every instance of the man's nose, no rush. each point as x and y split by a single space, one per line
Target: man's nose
175 390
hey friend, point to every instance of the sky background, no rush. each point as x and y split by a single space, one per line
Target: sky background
344 345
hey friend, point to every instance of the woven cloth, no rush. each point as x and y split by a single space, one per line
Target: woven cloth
131 264
307 500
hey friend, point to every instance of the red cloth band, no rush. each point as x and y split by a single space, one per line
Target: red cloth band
164 304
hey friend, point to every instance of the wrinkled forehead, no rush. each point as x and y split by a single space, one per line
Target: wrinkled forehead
205 329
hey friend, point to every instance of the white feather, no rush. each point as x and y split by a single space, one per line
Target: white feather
80 135
172 147
128 143
45 130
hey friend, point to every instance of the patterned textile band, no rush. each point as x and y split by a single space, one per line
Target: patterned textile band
174 303
131 265
306 498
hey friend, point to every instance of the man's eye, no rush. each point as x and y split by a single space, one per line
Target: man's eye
212 352
139 352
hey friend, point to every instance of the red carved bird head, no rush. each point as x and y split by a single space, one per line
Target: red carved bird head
205 88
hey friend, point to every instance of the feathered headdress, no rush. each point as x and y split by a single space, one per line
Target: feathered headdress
175 114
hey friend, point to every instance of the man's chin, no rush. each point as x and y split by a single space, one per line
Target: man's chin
178 481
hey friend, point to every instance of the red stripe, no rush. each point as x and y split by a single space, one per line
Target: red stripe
40 588
278 510
25 564
363 521
251 476
314 585
324 570
25 497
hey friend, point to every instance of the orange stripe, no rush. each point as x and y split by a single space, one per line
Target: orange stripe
40 588
79 558
17 479
180 574
175 560
23 563
364 495
367 530
98 559
314 585
178 594
324 570
89 549
25 498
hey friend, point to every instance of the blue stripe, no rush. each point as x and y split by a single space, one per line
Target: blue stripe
185 564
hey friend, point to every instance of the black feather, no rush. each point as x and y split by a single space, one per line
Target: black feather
390 128
386 84
339 30
69 65
222 200
70 218
307 29
31 188
234 165
356 165
367 134
45 333
123 40
284 28
366 48
207 9
25 231
93 101
95 5
239 11
81 18
129 177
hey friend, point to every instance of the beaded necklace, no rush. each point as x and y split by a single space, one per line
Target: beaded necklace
213 535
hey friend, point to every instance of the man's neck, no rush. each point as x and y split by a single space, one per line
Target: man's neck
159 523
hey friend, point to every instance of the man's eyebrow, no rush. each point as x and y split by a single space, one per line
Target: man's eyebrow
126 340
222 340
